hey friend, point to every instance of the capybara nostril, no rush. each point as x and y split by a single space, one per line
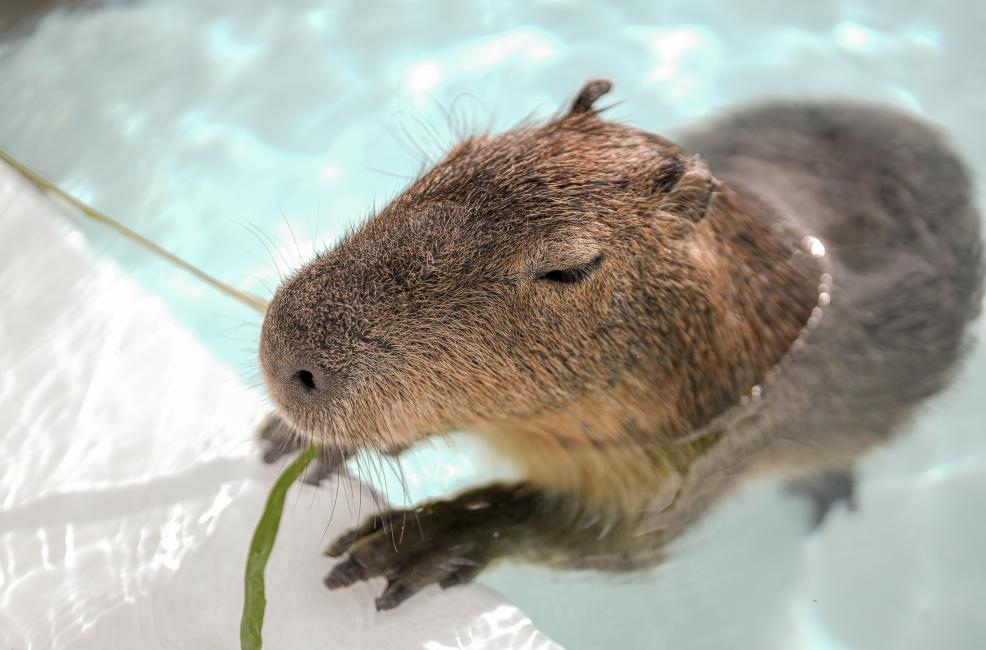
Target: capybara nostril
306 379
307 385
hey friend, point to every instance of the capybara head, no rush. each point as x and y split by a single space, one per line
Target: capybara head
521 273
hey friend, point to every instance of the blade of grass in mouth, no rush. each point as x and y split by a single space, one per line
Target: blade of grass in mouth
254 598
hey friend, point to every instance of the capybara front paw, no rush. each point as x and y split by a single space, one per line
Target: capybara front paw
444 542
411 549
279 439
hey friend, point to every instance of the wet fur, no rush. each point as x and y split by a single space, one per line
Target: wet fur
625 398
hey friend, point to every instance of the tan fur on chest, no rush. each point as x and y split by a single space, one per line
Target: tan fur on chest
584 452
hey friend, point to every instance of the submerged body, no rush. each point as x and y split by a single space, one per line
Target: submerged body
893 208
637 326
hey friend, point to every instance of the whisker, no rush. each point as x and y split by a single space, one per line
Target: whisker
301 258
250 228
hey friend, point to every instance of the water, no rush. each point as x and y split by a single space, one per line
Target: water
130 484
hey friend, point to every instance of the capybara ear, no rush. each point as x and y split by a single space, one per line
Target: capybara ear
691 193
592 90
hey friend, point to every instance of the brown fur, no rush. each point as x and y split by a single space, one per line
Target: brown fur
606 312
431 316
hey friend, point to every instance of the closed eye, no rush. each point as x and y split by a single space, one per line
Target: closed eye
571 275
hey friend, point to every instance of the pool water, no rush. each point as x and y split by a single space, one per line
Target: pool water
245 135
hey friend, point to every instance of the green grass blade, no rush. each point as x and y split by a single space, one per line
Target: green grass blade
254 598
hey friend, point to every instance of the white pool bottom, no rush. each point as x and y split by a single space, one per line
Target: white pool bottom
131 482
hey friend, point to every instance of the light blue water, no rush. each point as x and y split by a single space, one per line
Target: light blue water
243 135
